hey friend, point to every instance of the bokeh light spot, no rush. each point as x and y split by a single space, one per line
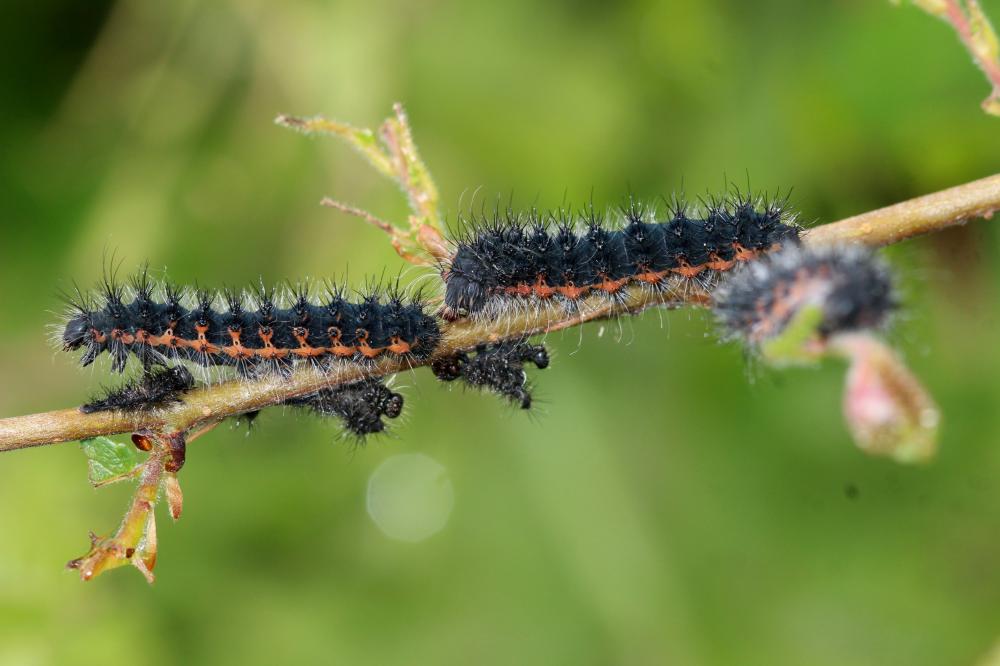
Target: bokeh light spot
410 497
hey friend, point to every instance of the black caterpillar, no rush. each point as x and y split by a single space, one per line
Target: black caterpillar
523 255
851 285
252 332
498 368
359 405
157 388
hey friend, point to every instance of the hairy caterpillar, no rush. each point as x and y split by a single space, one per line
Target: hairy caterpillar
568 257
850 285
498 368
254 332
159 387
360 405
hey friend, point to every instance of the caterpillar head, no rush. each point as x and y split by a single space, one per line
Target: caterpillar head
77 332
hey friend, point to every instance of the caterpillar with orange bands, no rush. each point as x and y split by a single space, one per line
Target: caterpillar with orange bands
567 257
162 324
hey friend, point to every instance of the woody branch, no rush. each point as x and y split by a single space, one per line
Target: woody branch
208 405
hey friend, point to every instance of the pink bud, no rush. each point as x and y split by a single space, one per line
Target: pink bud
887 410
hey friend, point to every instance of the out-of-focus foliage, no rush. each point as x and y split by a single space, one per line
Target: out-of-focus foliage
659 507
978 36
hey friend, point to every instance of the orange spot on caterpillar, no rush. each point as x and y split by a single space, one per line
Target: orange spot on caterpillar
717 263
398 346
743 254
687 270
237 350
336 347
122 336
168 339
364 348
201 344
573 292
611 286
308 352
542 289
369 352
269 350
651 277
305 350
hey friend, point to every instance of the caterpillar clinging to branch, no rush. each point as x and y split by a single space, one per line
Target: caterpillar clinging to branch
254 333
520 256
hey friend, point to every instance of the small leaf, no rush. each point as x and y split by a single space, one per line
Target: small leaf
109 461
796 345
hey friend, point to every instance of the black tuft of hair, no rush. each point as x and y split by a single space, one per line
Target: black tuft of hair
157 388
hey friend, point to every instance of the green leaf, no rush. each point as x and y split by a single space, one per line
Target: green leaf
109 461
792 346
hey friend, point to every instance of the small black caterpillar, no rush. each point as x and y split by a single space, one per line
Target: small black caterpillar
253 332
359 405
498 368
850 285
157 388
517 255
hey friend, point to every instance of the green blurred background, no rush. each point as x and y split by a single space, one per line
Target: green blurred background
667 502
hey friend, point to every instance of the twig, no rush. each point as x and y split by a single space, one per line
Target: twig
932 212
213 403
393 153
978 37
398 239
135 540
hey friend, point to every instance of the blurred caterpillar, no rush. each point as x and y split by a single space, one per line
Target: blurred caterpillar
849 286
